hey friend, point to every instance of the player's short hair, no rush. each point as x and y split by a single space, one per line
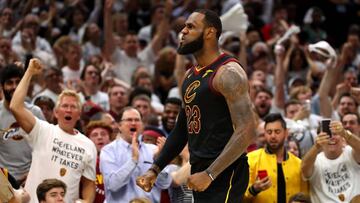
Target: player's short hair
211 19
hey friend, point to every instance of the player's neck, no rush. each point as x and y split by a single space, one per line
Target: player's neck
206 56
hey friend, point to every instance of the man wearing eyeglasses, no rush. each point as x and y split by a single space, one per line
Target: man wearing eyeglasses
126 158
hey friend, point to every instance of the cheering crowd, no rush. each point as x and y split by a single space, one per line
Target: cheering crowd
91 91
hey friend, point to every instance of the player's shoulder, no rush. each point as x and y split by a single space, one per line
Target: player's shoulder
230 77
232 67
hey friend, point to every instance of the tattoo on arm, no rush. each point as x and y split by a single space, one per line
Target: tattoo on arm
231 81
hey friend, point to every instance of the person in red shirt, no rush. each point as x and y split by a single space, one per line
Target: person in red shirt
99 132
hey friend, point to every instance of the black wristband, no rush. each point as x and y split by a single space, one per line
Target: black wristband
253 191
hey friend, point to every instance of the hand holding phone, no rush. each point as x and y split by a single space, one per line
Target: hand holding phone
325 126
262 174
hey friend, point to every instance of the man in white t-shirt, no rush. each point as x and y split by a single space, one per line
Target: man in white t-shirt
59 151
331 168
72 71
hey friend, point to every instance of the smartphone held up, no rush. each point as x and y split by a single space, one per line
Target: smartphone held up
325 126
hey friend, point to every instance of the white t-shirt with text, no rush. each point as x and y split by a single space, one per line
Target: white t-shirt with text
335 180
57 154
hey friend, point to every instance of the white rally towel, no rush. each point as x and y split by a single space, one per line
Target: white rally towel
235 19
324 49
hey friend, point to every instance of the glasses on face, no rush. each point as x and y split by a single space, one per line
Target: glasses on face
130 120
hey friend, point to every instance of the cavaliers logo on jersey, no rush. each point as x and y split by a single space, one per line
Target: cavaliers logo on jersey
190 93
13 132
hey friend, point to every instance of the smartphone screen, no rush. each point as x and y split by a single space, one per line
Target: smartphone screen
325 126
262 174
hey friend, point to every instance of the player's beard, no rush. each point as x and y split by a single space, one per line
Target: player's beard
191 47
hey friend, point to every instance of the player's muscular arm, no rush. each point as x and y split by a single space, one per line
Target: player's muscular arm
231 81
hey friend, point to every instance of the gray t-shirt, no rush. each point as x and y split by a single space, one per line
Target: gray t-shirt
15 152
